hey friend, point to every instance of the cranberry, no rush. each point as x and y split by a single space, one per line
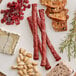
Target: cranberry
7 11
2 11
12 22
17 22
24 6
2 20
14 13
21 17
5 15
21 13
26 1
16 6
9 4
28 6
14 2
8 23
19 1
9 19
24 9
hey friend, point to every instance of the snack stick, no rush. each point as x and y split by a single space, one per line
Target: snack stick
39 43
34 11
52 50
43 36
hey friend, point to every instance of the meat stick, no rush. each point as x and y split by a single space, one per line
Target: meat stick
47 66
52 50
35 40
43 36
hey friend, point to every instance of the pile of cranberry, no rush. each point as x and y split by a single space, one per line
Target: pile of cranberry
14 13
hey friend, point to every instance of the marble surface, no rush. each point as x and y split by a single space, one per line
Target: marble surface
26 39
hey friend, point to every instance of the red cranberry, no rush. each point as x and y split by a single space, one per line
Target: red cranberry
24 6
16 6
26 1
17 22
5 16
2 20
14 13
9 4
2 11
7 11
21 13
21 17
14 2
8 23
13 17
23 9
9 19
19 1
28 6
12 22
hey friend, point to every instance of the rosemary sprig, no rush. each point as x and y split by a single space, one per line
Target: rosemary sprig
70 43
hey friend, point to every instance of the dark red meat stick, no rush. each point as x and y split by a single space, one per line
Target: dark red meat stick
34 20
47 67
52 50
43 36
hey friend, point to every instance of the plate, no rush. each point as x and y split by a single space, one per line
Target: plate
26 39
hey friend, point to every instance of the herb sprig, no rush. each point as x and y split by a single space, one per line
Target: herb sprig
70 43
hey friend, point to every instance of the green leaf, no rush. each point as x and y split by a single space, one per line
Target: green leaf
70 41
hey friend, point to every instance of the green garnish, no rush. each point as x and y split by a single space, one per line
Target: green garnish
70 43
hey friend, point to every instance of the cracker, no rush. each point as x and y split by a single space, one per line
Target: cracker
60 69
57 9
59 25
58 16
54 3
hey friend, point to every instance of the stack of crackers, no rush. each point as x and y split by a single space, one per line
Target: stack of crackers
57 12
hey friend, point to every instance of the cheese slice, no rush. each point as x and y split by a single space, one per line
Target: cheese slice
8 42
3 40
